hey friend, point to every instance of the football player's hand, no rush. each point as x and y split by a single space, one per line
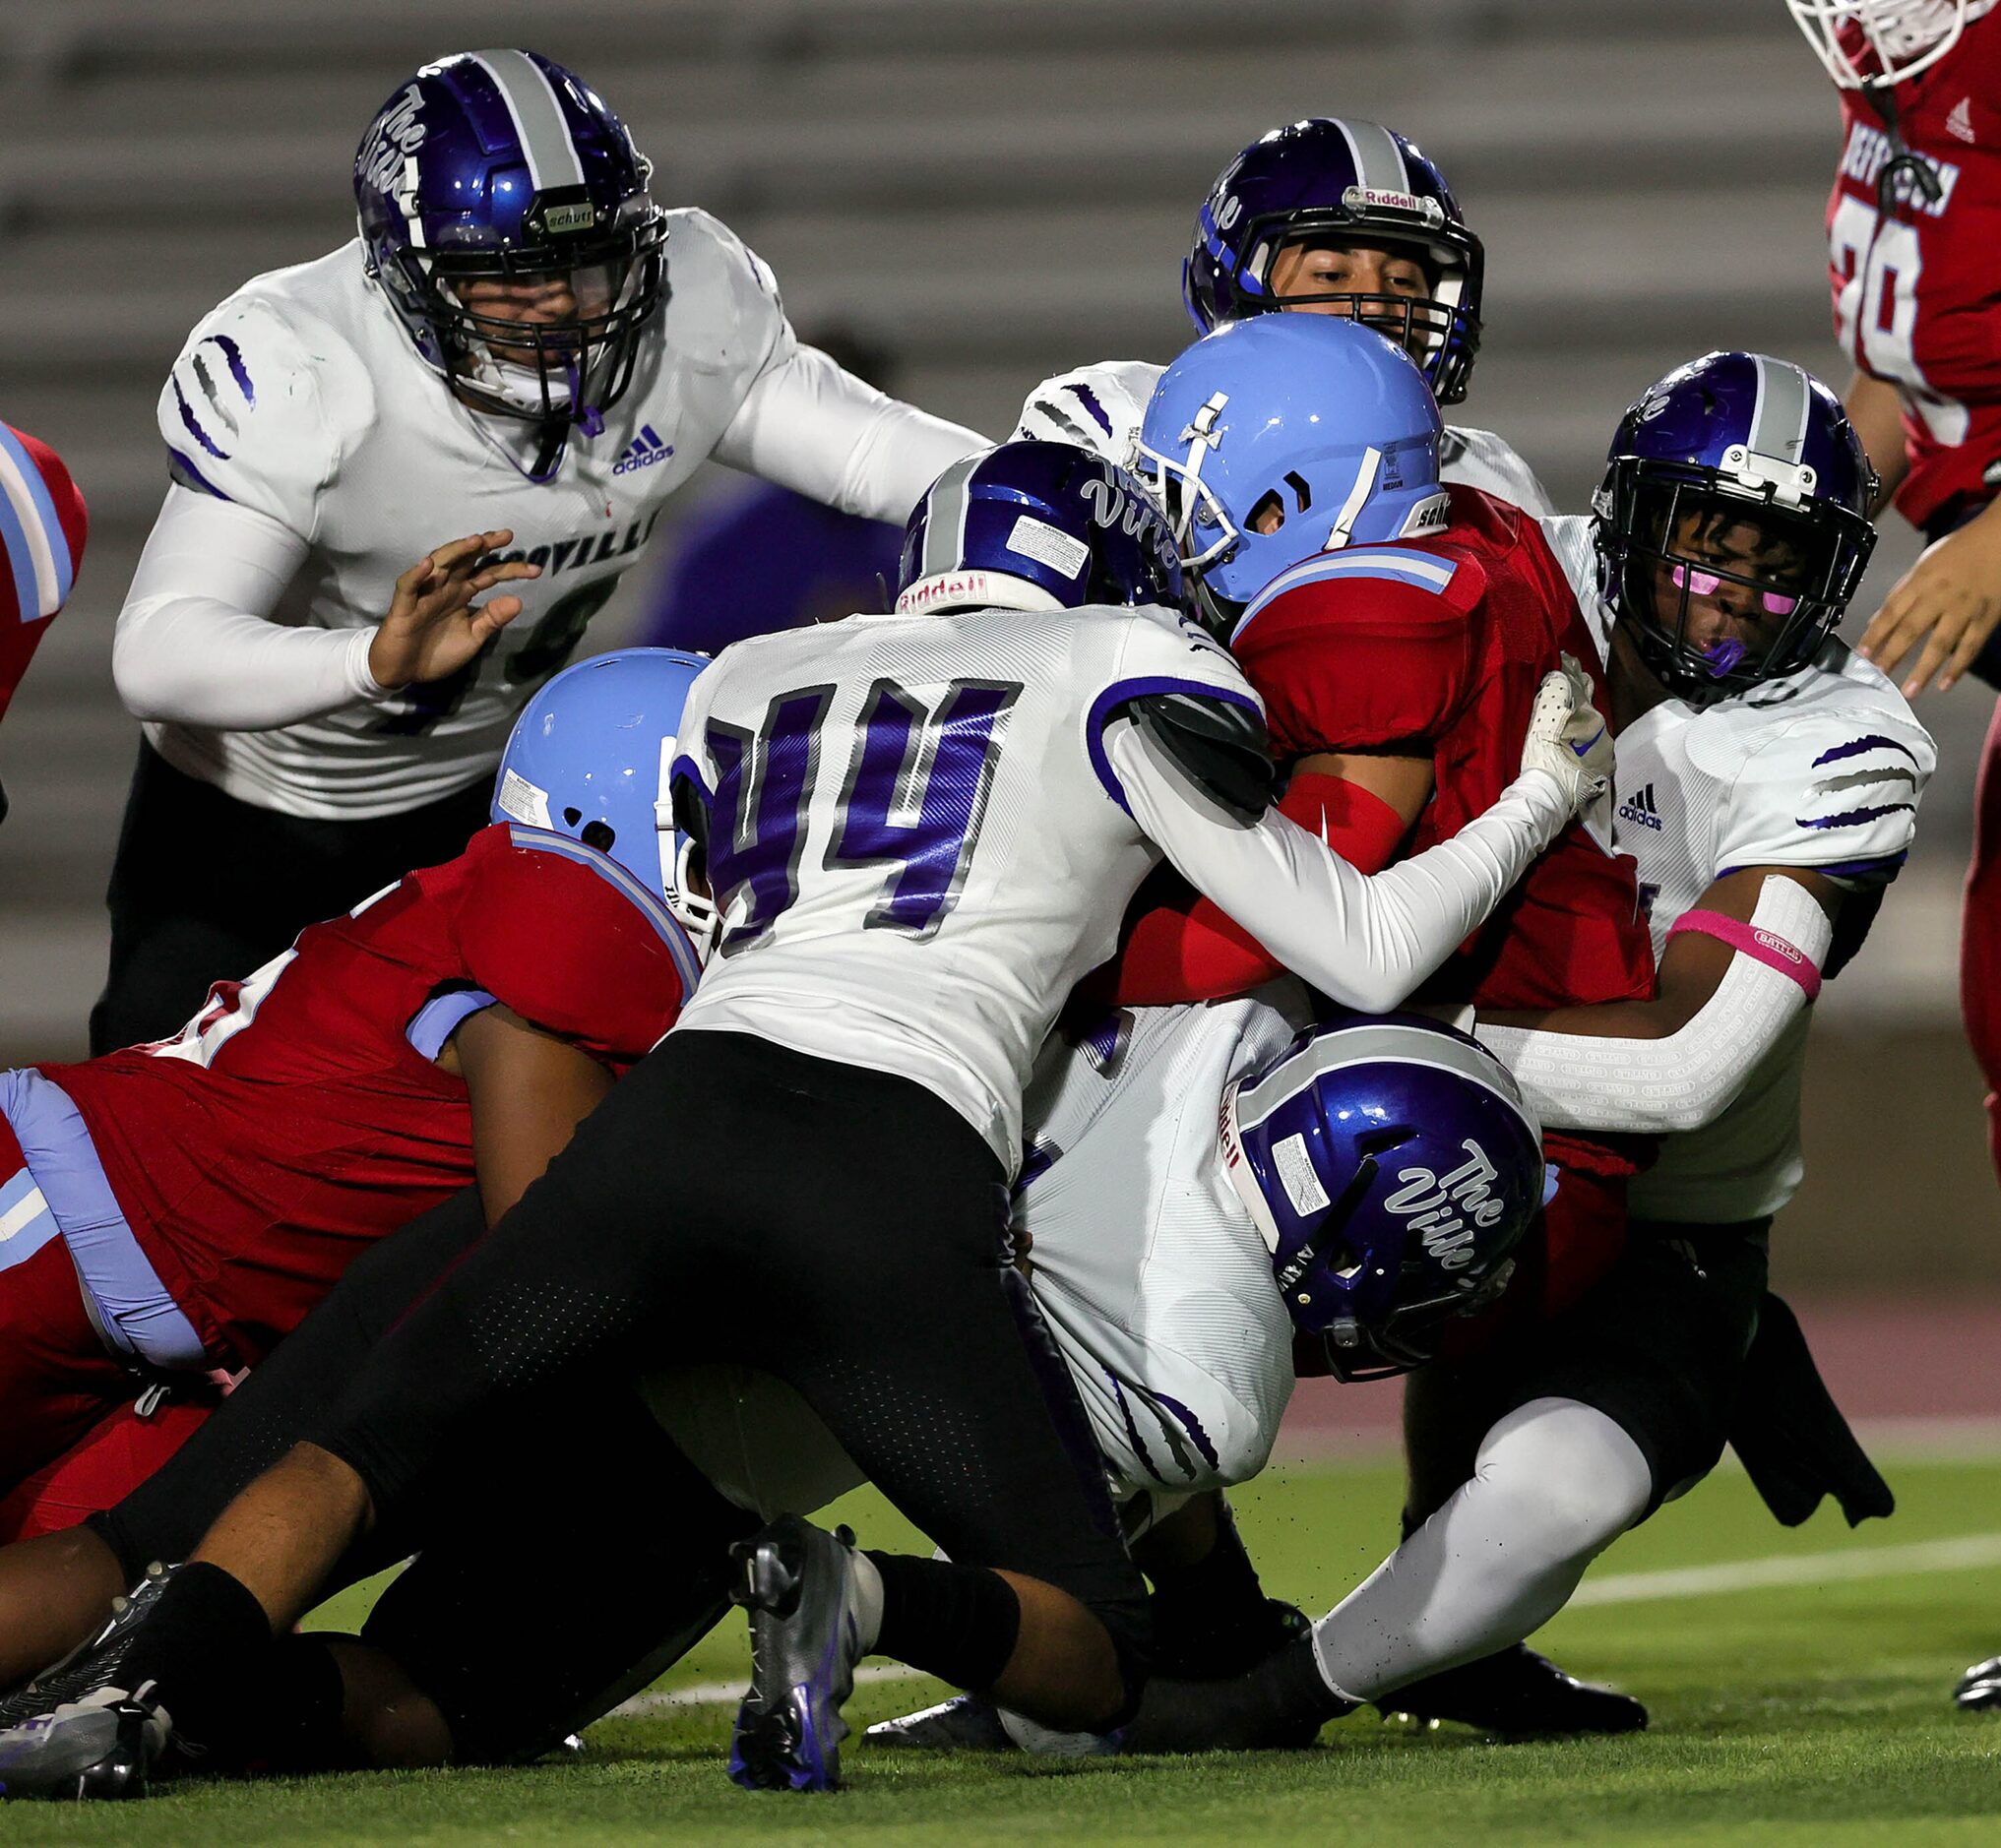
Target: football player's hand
1569 739
1945 607
433 627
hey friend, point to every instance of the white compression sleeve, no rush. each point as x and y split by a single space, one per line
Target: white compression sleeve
1365 941
195 645
1669 1086
814 427
1557 1483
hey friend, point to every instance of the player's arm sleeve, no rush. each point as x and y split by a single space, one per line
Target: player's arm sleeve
1194 951
811 425
573 944
1684 1080
1366 942
195 644
252 445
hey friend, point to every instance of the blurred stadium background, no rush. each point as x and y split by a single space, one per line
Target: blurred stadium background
991 190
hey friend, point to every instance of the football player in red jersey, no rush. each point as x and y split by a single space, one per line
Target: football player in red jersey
207 1190
42 529
1395 630
1912 224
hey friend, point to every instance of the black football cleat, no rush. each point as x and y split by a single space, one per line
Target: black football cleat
797 1582
92 1664
964 1723
1279 1706
1516 1693
1979 1688
1186 1652
97 1751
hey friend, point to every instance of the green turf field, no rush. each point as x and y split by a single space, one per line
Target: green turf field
1809 1709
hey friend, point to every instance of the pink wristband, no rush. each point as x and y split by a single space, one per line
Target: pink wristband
1765 946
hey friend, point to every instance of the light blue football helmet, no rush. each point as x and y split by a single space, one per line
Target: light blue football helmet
590 756
1333 422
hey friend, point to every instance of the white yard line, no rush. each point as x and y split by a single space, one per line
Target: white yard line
711 1692
1965 1553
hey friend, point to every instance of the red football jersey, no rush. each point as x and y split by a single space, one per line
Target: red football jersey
1917 289
43 529
1438 645
301 1114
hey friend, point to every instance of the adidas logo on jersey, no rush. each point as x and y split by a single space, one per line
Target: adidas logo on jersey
643 452
1641 811
1959 124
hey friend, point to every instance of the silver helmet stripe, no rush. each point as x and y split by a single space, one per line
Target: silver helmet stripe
1779 414
1379 162
553 158
945 518
1389 1042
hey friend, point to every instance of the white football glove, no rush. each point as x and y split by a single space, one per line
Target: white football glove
1569 739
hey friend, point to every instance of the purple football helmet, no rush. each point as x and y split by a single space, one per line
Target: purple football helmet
503 166
1392 1167
1732 525
1036 526
1349 182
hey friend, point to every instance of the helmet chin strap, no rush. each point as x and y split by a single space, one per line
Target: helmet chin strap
522 387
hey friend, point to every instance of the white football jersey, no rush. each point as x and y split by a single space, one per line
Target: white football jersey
1822 768
1148 1268
1100 408
918 845
302 399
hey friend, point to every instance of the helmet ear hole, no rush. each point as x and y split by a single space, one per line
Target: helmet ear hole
598 834
1341 1258
572 816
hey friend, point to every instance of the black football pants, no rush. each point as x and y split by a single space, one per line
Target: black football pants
841 1228
563 1560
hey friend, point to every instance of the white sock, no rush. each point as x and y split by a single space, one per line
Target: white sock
1557 1483
864 1586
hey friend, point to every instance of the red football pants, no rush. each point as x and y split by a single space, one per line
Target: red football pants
56 1381
100 1469
1981 934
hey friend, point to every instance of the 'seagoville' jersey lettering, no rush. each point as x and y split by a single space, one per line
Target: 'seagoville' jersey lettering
301 397
301 1114
915 837
1822 768
1913 293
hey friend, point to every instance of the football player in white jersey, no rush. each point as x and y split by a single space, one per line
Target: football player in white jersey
1768 785
1328 216
920 829
520 346
1201 1183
